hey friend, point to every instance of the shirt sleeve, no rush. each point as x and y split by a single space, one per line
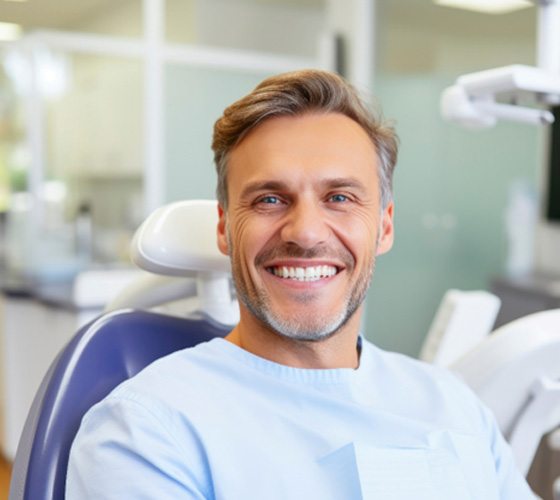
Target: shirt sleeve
124 450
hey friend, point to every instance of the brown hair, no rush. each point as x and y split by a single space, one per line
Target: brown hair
296 93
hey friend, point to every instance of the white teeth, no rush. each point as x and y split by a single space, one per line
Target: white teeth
312 273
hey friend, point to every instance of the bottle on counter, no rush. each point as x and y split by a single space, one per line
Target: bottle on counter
83 227
521 219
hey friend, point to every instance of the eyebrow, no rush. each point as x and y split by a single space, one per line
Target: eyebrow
257 186
344 182
329 183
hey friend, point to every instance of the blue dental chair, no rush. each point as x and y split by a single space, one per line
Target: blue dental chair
176 241
189 287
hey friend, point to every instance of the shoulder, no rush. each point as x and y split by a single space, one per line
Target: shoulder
142 428
129 446
441 401
424 389
188 373
403 368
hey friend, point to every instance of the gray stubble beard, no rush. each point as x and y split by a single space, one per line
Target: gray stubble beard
294 328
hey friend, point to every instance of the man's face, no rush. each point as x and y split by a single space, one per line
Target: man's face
304 223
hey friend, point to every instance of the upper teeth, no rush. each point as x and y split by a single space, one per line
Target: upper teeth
304 273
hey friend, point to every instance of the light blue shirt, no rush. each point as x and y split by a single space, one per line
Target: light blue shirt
216 422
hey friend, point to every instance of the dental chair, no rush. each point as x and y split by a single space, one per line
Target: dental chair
177 240
188 291
516 373
514 370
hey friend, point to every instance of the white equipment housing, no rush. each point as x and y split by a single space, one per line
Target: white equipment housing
473 100
463 320
516 372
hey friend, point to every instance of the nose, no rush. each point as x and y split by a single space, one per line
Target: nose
305 225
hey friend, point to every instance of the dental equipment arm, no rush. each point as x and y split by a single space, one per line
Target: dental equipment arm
472 101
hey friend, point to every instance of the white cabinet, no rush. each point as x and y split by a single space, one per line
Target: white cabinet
31 335
33 330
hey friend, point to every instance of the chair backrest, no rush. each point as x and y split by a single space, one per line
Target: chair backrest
101 355
515 372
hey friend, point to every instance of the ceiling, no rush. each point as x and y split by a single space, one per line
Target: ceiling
441 19
61 14
49 13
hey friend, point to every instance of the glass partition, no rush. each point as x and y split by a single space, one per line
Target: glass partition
14 159
195 99
86 149
95 150
87 115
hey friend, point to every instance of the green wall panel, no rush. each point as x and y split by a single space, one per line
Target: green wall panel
451 186
195 99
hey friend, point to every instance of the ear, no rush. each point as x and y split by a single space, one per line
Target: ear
222 231
386 235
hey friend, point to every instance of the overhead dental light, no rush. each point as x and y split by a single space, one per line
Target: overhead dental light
487 6
474 100
9 32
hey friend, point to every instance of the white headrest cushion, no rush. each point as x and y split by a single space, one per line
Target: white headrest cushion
179 239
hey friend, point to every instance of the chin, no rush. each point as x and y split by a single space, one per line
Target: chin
293 329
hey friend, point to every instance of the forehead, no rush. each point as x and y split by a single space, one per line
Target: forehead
307 147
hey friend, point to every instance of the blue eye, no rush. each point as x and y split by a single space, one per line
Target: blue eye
338 198
270 200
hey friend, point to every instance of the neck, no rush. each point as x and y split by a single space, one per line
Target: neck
337 351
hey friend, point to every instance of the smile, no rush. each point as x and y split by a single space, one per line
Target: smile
311 273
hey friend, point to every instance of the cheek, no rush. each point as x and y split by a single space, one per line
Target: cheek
359 234
244 241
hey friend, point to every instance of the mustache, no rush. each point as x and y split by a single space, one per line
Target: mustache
291 250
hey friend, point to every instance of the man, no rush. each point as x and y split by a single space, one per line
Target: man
294 403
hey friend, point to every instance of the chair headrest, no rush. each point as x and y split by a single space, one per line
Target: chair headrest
179 239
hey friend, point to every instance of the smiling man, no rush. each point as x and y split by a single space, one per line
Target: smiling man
303 225
295 403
